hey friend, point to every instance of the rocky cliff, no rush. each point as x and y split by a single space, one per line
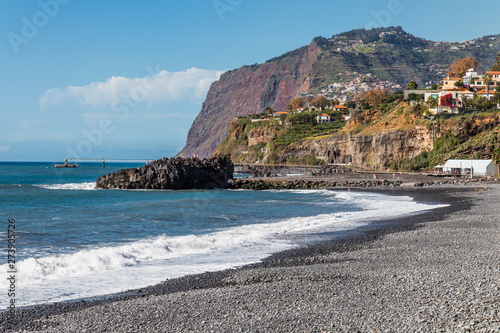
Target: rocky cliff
249 90
173 174
373 138
387 53
370 150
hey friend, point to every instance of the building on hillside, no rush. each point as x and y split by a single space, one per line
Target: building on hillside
449 83
341 108
453 104
470 77
474 167
278 116
479 84
424 92
495 76
456 102
463 93
484 93
323 118
432 94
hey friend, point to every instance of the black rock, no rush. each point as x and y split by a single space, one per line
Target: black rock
173 174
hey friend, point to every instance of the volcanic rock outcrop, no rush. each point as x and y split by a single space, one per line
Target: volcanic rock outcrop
173 174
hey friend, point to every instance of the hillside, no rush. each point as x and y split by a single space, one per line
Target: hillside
386 54
394 135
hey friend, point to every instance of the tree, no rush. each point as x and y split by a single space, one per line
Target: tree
480 103
496 65
297 103
289 107
412 85
320 102
459 84
434 86
268 110
432 102
333 102
487 81
373 97
351 104
466 101
459 67
308 99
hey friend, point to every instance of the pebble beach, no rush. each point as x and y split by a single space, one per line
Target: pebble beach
434 272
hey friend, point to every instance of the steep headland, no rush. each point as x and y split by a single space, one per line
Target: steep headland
389 55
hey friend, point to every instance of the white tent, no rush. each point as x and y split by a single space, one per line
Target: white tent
478 167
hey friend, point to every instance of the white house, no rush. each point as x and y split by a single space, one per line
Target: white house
323 118
480 84
478 167
469 76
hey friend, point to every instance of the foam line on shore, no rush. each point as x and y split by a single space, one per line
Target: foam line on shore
208 252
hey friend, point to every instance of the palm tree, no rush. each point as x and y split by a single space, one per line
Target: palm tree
487 81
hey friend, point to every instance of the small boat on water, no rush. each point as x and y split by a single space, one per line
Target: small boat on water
66 165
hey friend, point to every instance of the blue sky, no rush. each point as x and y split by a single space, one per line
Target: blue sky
125 79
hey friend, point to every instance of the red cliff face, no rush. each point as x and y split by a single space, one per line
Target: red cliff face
245 91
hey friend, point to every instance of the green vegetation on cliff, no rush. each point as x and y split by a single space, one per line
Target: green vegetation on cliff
256 136
421 141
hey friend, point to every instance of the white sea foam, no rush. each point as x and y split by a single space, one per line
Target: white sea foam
110 269
69 186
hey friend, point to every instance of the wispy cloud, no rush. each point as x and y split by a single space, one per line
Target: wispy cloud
5 148
94 119
164 86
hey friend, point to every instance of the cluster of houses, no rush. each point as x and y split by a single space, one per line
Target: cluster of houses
344 91
320 119
325 118
473 84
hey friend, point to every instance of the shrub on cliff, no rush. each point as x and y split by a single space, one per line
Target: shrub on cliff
442 146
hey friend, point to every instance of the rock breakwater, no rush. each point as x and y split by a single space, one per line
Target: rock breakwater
293 183
282 184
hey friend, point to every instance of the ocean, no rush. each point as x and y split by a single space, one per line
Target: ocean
73 241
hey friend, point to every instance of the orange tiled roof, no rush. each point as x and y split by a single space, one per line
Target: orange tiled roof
494 72
281 112
324 115
341 107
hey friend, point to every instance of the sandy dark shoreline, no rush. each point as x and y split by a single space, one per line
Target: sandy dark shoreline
387 279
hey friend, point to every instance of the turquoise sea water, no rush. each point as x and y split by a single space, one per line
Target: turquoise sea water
74 241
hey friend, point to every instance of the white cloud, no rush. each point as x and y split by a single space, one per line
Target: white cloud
191 85
6 148
94 119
